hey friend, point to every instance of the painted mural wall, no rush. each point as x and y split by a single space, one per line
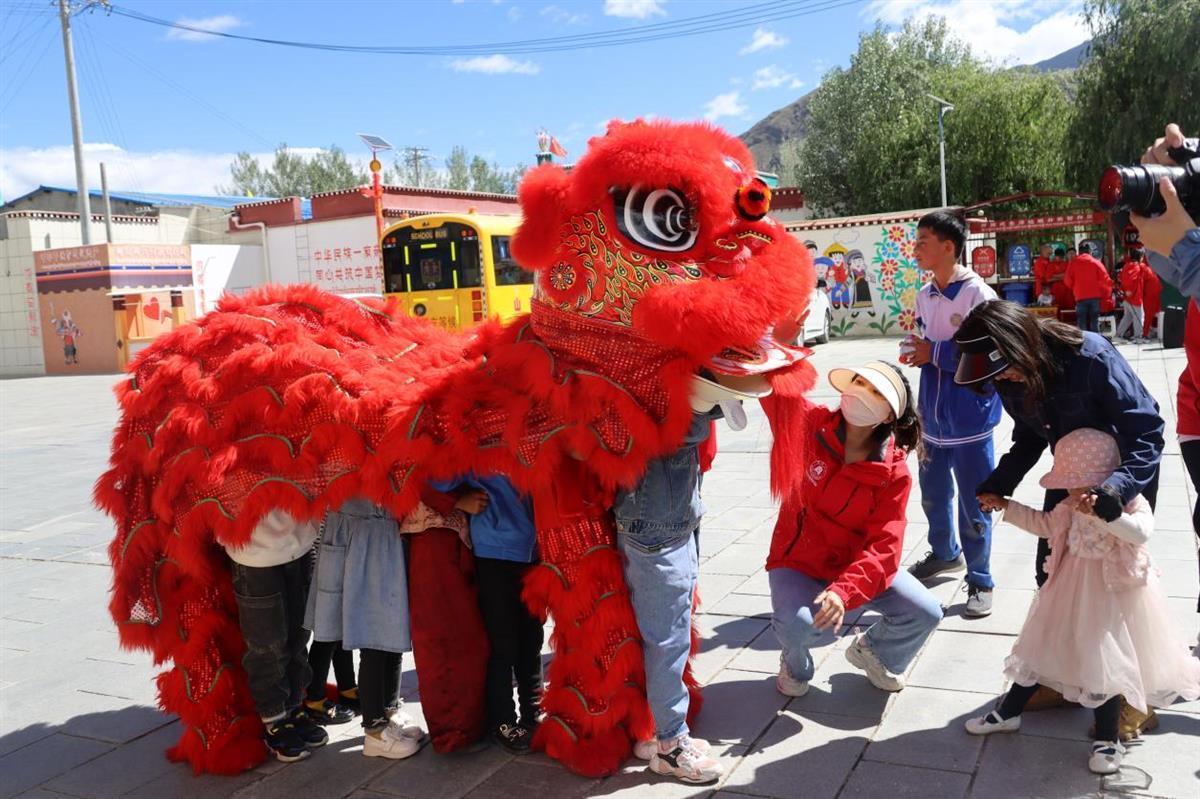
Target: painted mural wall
870 274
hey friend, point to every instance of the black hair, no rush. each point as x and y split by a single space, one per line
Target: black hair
907 427
1060 252
947 227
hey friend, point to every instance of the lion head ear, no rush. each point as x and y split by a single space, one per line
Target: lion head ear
543 197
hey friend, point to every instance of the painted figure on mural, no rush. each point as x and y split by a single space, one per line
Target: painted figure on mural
858 274
838 276
66 329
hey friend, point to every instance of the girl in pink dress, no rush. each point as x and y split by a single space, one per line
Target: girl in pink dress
1098 629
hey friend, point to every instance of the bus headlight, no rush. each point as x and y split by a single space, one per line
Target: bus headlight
419 309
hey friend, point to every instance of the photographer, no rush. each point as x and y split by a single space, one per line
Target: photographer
1173 239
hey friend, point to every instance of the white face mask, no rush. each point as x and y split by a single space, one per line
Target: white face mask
862 408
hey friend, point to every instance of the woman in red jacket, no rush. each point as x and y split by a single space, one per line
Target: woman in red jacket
838 541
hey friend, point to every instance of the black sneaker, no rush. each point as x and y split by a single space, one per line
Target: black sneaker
513 738
284 742
530 723
930 566
324 711
312 735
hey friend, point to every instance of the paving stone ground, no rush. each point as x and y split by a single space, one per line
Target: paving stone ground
77 715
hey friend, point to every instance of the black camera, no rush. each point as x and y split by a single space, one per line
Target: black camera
1135 188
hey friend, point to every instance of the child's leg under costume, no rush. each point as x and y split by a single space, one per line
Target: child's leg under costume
448 637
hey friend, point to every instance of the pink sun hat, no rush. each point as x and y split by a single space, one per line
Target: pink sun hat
1083 458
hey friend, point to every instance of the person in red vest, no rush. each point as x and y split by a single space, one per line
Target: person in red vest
1132 278
1152 295
1089 281
1041 270
1056 271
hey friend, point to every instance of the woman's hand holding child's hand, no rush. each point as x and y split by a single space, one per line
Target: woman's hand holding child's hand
830 611
992 502
473 502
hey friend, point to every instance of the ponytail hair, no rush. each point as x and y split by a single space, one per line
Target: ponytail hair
906 429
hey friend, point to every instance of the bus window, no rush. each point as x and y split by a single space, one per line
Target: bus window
508 271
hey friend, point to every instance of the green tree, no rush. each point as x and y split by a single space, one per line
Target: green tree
872 138
291 174
1144 72
458 169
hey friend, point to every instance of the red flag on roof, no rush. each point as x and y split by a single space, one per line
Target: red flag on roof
557 149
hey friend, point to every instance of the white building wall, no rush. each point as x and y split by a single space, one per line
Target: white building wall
339 255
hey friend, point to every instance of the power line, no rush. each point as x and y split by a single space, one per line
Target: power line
757 14
26 70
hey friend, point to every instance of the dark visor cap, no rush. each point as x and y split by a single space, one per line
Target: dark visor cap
980 360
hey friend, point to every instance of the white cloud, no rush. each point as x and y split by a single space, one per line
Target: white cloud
514 14
494 65
763 39
773 77
634 9
724 105
218 24
1003 31
561 16
23 169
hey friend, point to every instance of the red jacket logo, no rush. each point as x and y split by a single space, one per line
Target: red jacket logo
816 471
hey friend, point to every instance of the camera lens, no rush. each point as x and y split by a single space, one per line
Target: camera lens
1135 188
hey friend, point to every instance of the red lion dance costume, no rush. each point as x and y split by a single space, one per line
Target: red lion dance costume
653 257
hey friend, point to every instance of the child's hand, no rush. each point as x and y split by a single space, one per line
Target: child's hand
992 502
830 611
473 502
1086 504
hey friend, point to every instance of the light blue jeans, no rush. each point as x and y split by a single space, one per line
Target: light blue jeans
661 582
910 615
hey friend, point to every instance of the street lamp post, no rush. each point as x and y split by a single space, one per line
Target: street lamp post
943 108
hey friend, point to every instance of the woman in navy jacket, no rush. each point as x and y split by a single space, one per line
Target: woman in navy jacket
1053 378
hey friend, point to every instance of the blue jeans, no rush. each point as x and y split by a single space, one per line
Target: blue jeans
910 615
968 465
661 583
1087 315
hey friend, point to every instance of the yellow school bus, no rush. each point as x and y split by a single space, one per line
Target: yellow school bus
455 269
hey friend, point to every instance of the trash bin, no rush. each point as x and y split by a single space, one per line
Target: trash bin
1170 330
1019 293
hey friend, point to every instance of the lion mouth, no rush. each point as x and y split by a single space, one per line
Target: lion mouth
768 355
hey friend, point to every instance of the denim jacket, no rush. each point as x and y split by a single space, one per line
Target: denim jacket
665 505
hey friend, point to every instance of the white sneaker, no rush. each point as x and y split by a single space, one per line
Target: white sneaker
686 762
991 722
788 685
644 750
402 726
1106 757
389 745
860 655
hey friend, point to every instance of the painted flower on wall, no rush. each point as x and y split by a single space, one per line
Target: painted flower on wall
899 278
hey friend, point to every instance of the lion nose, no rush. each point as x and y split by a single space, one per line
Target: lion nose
753 200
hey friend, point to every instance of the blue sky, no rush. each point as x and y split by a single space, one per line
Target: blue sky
167 109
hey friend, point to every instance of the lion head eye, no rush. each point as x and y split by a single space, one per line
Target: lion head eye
657 219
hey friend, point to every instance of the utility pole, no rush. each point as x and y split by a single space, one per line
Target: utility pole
415 159
85 206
